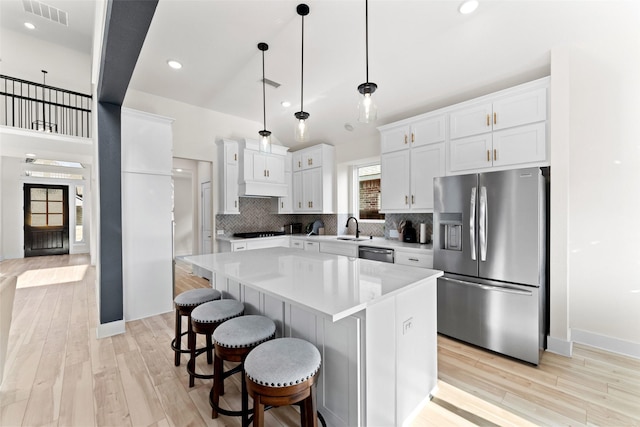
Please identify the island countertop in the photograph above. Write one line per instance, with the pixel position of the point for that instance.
(335, 286)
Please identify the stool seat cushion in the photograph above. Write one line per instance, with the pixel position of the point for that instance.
(245, 331)
(196, 297)
(217, 311)
(282, 362)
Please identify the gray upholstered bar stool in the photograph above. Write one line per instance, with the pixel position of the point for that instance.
(283, 372)
(233, 340)
(184, 304)
(205, 318)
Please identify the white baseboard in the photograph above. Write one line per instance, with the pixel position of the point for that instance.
(603, 342)
(559, 346)
(110, 329)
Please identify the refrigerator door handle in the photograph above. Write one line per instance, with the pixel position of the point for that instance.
(483, 223)
(504, 289)
(472, 222)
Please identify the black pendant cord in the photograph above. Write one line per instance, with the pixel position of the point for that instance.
(302, 68)
(264, 97)
(366, 31)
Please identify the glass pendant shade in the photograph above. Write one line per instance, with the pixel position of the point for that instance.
(265, 141)
(302, 127)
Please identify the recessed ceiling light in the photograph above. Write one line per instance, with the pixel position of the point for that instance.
(349, 127)
(29, 25)
(285, 104)
(174, 64)
(468, 6)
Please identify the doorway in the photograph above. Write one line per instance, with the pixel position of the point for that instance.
(46, 220)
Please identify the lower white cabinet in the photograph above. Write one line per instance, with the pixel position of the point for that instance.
(297, 244)
(250, 244)
(424, 260)
(312, 246)
(337, 248)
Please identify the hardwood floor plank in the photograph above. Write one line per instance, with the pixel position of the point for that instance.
(12, 414)
(76, 404)
(102, 354)
(144, 405)
(20, 375)
(44, 400)
(178, 407)
(538, 414)
(109, 399)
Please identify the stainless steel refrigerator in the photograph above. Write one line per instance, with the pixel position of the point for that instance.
(489, 238)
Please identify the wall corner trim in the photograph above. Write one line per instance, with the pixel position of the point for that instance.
(110, 329)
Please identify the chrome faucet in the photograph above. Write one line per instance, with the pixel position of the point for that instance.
(357, 229)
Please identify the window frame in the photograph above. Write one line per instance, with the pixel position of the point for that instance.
(355, 190)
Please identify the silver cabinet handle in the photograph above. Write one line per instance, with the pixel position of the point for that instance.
(504, 289)
(472, 222)
(483, 223)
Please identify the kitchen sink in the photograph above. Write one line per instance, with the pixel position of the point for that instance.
(352, 239)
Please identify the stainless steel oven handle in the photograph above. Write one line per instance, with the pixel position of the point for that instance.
(376, 251)
(507, 290)
(472, 223)
(483, 223)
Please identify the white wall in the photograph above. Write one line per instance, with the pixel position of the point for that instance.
(24, 57)
(596, 171)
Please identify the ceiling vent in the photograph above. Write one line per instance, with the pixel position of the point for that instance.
(270, 83)
(47, 12)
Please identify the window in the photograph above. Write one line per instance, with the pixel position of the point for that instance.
(367, 188)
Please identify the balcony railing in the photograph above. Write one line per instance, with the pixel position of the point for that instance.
(30, 105)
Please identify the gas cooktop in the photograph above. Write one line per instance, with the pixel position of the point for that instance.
(253, 234)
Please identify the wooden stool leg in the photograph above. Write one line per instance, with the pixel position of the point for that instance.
(178, 329)
(258, 412)
(245, 400)
(209, 350)
(192, 361)
(311, 409)
(218, 382)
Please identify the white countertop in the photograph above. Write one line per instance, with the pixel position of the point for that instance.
(332, 285)
(379, 242)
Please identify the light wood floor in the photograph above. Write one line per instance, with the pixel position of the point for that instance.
(58, 373)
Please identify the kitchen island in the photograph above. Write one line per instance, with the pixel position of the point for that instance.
(374, 324)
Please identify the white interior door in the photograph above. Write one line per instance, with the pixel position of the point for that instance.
(207, 219)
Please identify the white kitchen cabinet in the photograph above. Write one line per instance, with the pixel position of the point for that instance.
(228, 158)
(297, 243)
(312, 246)
(338, 248)
(284, 205)
(255, 243)
(262, 174)
(427, 130)
(407, 178)
(414, 259)
(514, 146)
(502, 130)
(147, 204)
(504, 112)
(313, 180)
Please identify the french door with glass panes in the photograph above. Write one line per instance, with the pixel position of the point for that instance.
(46, 220)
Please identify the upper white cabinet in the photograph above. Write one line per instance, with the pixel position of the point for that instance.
(314, 179)
(501, 130)
(284, 205)
(413, 133)
(229, 157)
(262, 174)
(413, 154)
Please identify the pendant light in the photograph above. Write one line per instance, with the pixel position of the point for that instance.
(265, 135)
(367, 110)
(302, 128)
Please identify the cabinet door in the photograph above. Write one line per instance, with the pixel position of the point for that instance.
(524, 144)
(298, 201)
(312, 190)
(520, 109)
(394, 139)
(428, 131)
(473, 152)
(427, 162)
(231, 153)
(275, 166)
(394, 183)
(312, 158)
(285, 204)
(296, 163)
(231, 202)
(470, 121)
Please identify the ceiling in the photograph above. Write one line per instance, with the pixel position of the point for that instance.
(422, 54)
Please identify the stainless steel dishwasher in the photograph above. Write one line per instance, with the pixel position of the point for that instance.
(376, 254)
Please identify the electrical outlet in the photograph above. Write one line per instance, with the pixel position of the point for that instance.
(407, 325)
(220, 232)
